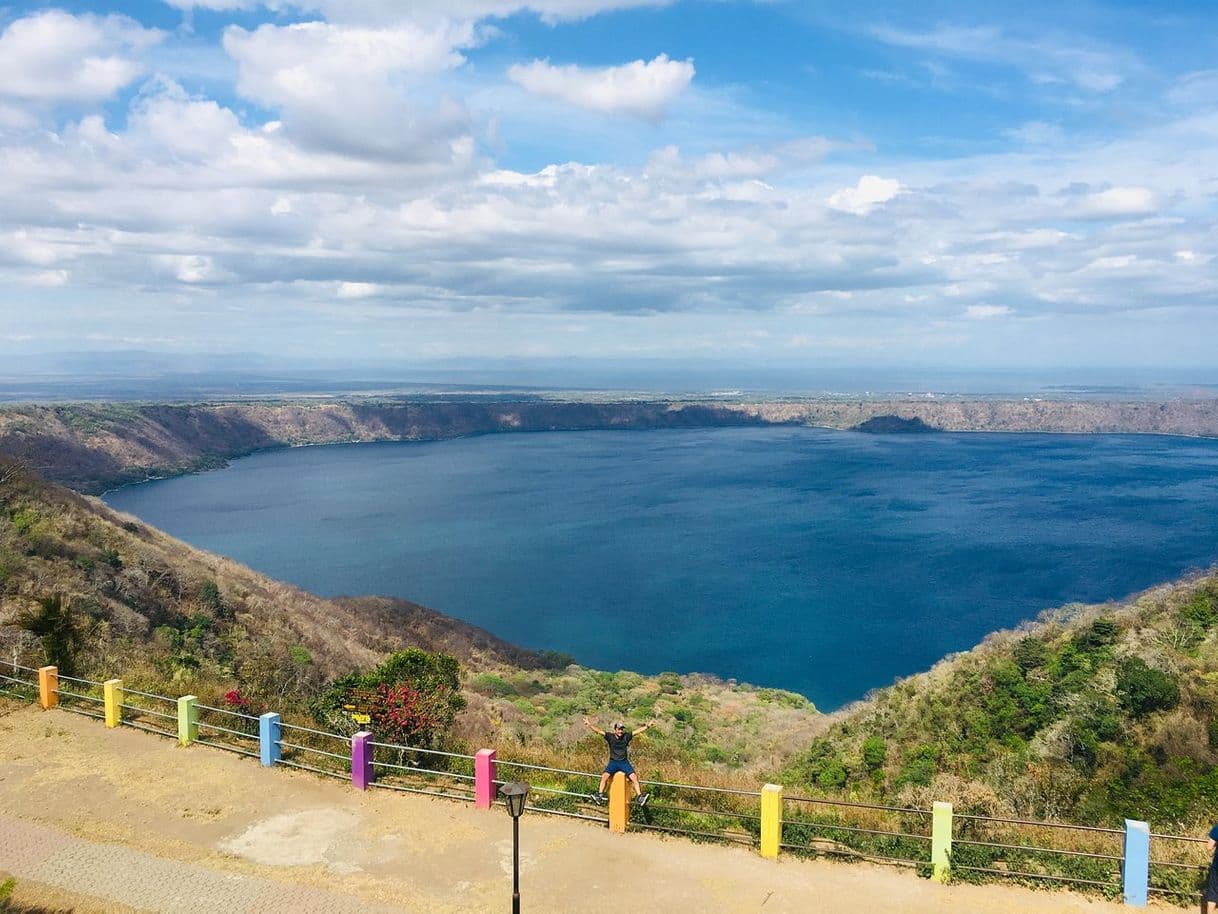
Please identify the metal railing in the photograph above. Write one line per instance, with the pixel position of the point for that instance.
(983, 848)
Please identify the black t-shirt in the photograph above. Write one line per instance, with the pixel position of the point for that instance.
(617, 745)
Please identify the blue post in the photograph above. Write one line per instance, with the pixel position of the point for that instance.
(269, 734)
(1136, 867)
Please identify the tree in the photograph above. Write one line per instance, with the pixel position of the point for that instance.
(56, 627)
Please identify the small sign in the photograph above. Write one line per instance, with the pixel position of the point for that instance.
(359, 705)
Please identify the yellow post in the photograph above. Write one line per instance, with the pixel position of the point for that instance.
(619, 803)
(48, 687)
(188, 719)
(771, 820)
(112, 690)
(941, 842)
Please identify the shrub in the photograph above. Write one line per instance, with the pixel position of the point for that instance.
(1143, 689)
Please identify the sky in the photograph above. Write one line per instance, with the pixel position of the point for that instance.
(783, 185)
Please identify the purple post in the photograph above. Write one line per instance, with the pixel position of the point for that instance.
(361, 760)
(484, 779)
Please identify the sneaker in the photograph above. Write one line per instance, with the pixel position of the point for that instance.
(599, 799)
(642, 799)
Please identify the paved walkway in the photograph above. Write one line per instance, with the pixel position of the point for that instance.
(121, 820)
(149, 883)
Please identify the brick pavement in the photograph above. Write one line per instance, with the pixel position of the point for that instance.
(143, 881)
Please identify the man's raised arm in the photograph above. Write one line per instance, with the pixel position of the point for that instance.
(588, 724)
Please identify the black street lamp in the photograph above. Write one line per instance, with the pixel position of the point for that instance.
(514, 794)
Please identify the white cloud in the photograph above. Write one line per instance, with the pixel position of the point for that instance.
(354, 290)
(347, 89)
(1119, 201)
(642, 89)
(54, 56)
(986, 312)
(870, 192)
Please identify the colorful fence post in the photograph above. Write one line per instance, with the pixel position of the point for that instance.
(270, 731)
(112, 691)
(1135, 869)
(941, 841)
(188, 720)
(362, 772)
(48, 687)
(484, 779)
(771, 820)
(619, 803)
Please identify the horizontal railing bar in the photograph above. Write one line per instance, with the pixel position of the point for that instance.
(1188, 838)
(341, 758)
(83, 711)
(67, 678)
(1043, 850)
(856, 855)
(100, 701)
(337, 736)
(227, 747)
(1180, 866)
(426, 793)
(303, 767)
(423, 771)
(1103, 831)
(138, 726)
(852, 805)
(24, 682)
(1192, 893)
(731, 790)
(130, 691)
(706, 812)
(15, 695)
(718, 836)
(138, 710)
(18, 666)
(569, 815)
(857, 829)
(581, 774)
(555, 790)
(417, 749)
(225, 711)
(204, 723)
(1022, 875)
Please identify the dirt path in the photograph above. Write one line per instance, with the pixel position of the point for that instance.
(119, 820)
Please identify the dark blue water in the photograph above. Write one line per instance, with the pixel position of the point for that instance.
(819, 561)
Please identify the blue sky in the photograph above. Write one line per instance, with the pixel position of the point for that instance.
(952, 186)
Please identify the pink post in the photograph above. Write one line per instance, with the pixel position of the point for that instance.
(361, 760)
(484, 779)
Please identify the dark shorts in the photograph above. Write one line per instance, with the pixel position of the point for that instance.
(624, 767)
(1211, 883)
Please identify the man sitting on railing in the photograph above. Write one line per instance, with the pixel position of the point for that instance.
(1211, 878)
(619, 741)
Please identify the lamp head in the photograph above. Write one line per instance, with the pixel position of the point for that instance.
(514, 794)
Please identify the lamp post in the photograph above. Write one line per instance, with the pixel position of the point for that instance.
(514, 794)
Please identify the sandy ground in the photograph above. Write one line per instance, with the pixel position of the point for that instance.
(208, 814)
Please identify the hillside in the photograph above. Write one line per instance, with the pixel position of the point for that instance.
(1091, 714)
(92, 447)
(114, 594)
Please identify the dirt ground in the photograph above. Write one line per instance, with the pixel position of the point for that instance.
(212, 818)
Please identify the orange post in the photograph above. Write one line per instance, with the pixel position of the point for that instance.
(619, 803)
(48, 687)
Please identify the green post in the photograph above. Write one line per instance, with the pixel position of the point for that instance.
(941, 842)
(188, 720)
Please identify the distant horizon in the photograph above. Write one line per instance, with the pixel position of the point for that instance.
(151, 376)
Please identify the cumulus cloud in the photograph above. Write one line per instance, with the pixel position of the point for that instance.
(347, 88)
(642, 89)
(55, 57)
(870, 192)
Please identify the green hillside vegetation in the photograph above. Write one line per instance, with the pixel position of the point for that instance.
(1092, 715)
